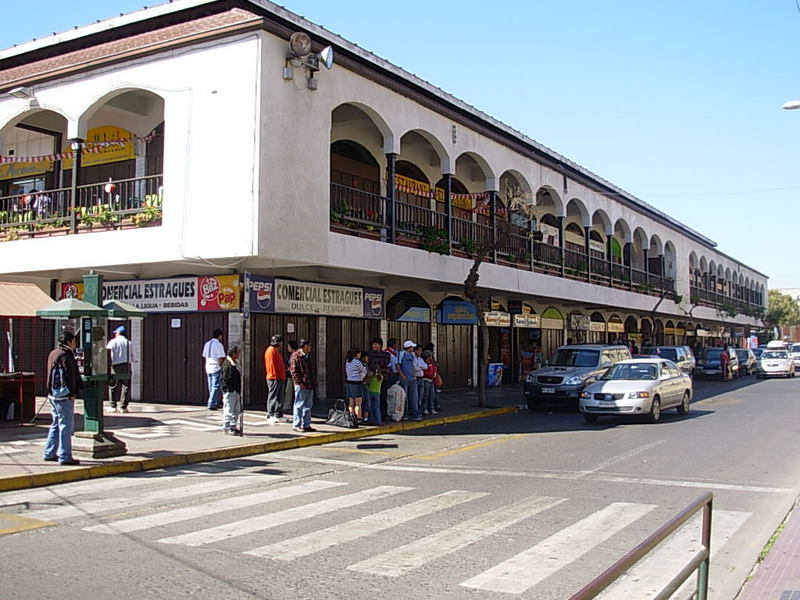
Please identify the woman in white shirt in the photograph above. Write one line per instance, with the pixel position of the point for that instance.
(355, 372)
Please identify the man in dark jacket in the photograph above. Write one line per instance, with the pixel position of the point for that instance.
(302, 373)
(231, 393)
(59, 438)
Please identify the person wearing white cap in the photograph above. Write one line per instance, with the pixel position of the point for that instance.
(408, 379)
(120, 352)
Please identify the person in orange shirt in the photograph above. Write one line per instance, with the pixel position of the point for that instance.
(276, 380)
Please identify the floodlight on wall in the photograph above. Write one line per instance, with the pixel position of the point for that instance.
(23, 93)
(300, 55)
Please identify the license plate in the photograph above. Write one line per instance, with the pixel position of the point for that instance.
(772, 364)
(548, 390)
(607, 404)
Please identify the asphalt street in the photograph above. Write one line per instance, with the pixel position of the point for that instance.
(531, 505)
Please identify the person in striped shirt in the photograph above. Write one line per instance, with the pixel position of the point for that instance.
(355, 372)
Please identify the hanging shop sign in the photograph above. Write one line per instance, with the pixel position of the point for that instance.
(18, 170)
(458, 312)
(702, 333)
(669, 331)
(528, 321)
(179, 294)
(679, 331)
(615, 327)
(599, 326)
(272, 295)
(105, 145)
(496, 318)
(579, 322)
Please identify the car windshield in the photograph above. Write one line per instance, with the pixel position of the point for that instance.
(741, 353)
(713, 353)
(795, 347)
(668, 353)
(567, 357)
(632, 372)
(773, 354)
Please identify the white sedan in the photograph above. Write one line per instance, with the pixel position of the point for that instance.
(642, 386)
(774, 363)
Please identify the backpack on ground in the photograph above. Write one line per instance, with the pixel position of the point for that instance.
(58, 382)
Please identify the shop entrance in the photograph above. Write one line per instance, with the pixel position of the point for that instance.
(173, 369)
(454, 354)
(262, 328)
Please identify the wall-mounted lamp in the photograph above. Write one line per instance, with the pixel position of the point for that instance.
(300, 55)
(24, 93)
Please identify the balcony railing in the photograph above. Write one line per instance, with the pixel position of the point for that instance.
(364, 213)
(704, 297)
(122, 203)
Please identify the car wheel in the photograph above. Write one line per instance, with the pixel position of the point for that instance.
(590, 418)
(655, 410)
(683, 407)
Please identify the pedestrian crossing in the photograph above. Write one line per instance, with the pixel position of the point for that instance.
(271, 518)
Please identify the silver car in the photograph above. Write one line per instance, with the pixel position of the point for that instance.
(641, 386)
(774, 363)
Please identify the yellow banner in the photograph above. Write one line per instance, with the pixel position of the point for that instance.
(101, 155)
(25, 169)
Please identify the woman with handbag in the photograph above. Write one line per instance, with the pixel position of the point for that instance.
(355, 372)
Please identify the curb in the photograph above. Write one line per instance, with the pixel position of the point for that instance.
(20, 482)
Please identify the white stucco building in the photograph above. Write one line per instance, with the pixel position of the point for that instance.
(201, 157)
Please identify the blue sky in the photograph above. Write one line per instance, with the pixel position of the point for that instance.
(676, 102)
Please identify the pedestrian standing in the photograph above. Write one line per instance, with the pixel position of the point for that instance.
(214, 355)
(288, 394)
(374, 384)
(231, 384)
(63, 384)
(302, 373)
(355, 372)
(429, 402)
(276, 380)
(408, 379)
(120, 351)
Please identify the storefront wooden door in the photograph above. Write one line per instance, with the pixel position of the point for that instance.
(342, 335)
(32, 343)
(173, 368)
(262, 328)
(419, 333)
(454, 354)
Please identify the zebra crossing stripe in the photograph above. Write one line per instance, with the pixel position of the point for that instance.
(290, 515)
(412, 556)
(649, 576)
(201, 510)
(521, 572)
(94, 506)
(316, 541)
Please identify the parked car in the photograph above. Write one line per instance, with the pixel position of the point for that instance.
(680, 355)
(572, 367)
(775, 363)
(757, 352)
(709, 364)
(642, 386)
(794, 352)
(747, 361)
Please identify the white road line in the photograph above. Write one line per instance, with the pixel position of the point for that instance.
(615, 459)
(316, 541)
(217, 506)
(521, 572)
(69, 490)
(563, 475)
(91, 507)
(298, 513)
(412, 556)
(193, 425)
(648, 577)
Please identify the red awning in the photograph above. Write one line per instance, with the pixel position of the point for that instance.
(22, 299)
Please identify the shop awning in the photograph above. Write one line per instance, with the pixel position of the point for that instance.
(22, 299)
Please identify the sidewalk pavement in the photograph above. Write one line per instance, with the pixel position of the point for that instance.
(777, 577)
(166, 435)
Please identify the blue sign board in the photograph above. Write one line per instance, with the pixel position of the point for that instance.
(457, 312)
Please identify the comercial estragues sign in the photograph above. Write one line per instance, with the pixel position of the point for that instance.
(179, 294)
(273, 295)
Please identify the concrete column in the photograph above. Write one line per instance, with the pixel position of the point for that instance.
(239, 334)
(384, 331)
(475, 334)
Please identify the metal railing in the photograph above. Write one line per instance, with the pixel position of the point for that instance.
(113, 203)
(699, 562)
(357, 208)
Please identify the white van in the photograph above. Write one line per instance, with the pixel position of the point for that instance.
(776, 345)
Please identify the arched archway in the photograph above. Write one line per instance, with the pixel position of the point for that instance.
(455, 318)
(597, 329)
(552, 331)
(409, 318)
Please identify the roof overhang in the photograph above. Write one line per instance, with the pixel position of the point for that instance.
(22, 299)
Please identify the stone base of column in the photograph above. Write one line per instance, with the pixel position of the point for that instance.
(97, 445)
